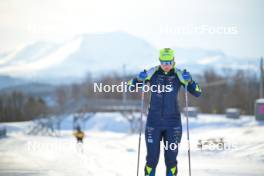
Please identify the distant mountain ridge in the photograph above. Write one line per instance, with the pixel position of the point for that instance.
(103, 53)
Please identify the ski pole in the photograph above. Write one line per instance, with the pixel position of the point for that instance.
(187, 125)
(141, 125)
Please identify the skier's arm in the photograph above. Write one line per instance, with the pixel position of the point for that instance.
(133, 83)
(194, 88)
(139, 79)
(186, 79)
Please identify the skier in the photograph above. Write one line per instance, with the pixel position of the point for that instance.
(79, 134)
(164, 118)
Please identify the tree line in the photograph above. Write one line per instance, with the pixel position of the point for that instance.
(220, 90)
(16, 106)
(228, 89)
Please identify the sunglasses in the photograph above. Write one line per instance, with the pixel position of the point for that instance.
(166, 62)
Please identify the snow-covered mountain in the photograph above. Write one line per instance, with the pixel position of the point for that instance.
(98, 53)
(7, 81)
(102, 53)
(196, 60)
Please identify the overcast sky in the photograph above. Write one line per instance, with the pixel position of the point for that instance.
(235, 27)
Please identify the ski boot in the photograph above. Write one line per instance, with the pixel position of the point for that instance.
(149, 171)
(172, 171)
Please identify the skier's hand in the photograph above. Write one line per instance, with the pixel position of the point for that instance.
(142, 75)
(187, 76)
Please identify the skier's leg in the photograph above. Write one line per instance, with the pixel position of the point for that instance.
(152, 138)
(172, 138)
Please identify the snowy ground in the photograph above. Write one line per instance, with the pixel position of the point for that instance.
(109, 150)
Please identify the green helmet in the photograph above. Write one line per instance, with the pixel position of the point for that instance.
(166, 54)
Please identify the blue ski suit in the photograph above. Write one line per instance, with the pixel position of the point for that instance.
(164, 117)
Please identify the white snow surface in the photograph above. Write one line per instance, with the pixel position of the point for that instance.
(110, 150)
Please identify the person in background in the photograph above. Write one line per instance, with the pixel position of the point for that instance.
(79, 134)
